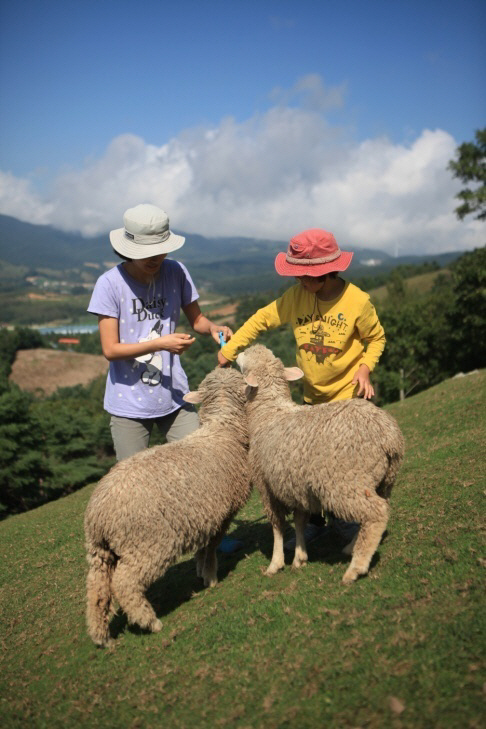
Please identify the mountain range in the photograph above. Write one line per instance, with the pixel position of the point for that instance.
(246, 263)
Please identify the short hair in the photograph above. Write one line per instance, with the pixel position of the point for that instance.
(120, 256)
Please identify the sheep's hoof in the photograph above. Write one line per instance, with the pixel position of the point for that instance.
(351, 575)
(298, 563)
(156, 626)
(273, 569)
(210, 582)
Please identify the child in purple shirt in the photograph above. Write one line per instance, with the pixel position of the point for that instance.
(138, 305)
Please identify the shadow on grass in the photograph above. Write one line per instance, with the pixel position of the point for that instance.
(179, 584)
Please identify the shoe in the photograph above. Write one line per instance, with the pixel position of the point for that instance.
(311, 532)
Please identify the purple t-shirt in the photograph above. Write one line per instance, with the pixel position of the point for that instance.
(152, 385)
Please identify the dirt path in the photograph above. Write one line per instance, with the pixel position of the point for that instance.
(48, 369)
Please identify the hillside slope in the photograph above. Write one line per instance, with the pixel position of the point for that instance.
(417, 285)
(401, 648)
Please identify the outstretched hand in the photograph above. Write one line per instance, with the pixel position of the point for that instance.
(177, 343)
(362, 378)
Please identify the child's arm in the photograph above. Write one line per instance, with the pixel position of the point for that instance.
(269, 317)
(113, 349)
(371, 332)
(202, 325)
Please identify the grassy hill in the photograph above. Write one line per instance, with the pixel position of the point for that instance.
(401, 648)
(417, 285)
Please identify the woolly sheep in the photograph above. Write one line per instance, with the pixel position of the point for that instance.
(341, 457)
(166, 501)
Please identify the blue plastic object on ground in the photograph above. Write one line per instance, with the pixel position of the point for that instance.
(229, 545)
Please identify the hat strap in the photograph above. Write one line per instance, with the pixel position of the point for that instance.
(313, 261)
(146, 240)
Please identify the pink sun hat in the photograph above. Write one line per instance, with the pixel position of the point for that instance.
(312, 253)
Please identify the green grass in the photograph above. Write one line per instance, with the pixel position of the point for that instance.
(403, 647)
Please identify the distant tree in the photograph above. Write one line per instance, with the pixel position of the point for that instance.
(467, 320)
(470, 167)
(23, 463)
(89, 343)
(419, 352)
(395, 287)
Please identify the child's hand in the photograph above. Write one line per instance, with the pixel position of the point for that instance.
(177, 343)
(222, 361)
(215, 329)
(362, 377)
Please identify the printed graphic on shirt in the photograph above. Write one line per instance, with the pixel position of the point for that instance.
(316, 346)
(153, 374)
(148, 311)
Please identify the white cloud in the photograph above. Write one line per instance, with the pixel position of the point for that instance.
(310, 93)
(270, 176)
(18, 199)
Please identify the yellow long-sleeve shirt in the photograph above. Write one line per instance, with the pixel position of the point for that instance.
(330, 337)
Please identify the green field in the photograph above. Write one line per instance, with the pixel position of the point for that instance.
(403, 647)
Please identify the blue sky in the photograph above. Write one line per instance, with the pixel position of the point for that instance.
(252, 118)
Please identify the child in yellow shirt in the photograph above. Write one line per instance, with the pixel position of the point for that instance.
(338, 335)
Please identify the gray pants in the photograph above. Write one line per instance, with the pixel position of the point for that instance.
(131, 435)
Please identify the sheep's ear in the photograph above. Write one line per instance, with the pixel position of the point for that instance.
(251, 381)
(192, 397)
(293, 373)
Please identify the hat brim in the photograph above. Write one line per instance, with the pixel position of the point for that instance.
(284, 268)
(133, 250)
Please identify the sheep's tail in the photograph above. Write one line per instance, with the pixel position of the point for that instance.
(394, 450)
(102, 563)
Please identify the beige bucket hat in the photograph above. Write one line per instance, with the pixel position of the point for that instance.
(145, 233)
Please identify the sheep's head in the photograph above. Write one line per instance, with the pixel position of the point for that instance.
(223, 387)
(259, 367)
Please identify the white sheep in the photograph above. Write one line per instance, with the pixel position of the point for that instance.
(341, 457)
(164, 502)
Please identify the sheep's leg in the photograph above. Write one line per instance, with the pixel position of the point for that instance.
(210, 567)
(300, 556)
(99, 596)
(200, 557)
(275, 512)
(129, 583)
(367, 540)
(278, 559)
(277, 519)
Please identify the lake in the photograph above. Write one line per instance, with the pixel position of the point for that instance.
(69, 329)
